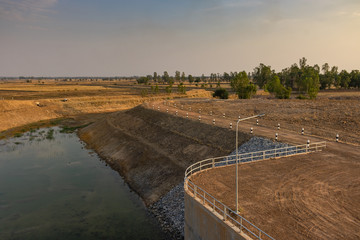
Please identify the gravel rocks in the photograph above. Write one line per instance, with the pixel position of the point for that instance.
(259, 144)
(169, 210)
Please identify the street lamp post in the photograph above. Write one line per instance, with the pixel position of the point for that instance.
(237, 157)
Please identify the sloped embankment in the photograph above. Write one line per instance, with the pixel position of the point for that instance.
(151, 149)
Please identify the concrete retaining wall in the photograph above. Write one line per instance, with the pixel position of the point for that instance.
(201, 223)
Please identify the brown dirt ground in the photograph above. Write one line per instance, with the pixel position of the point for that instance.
(331, 114)
(315, 196)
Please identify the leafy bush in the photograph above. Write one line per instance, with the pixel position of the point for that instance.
(242, 86)
(274, 86)
(301, 97)
(221, 93)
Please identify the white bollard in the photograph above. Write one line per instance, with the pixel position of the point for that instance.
(176, 113)
(276, 136)
(251, 130)
(278, 126)
(199, 118)
(159, 108)
(210, 113)
(167, 110)
(175, 105)
(214, 121)
(307, 145)
(230, 125)
(224, 115)
(302, 131)
(187, 115)
(199, 110)
(337, 137)
(239, 117)
(182, 107)
(257, 121)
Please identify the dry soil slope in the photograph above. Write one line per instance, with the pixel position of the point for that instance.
(151, 149)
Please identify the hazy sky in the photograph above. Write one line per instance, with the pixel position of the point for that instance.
(137, 37)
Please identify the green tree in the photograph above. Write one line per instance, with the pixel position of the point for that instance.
(242, 86)
(334, 76)
(183, 77)
(142, 80)
(344, 78)
(355, 79)
(155, 76)
(309, 82)
(177, 76)
(262, 74)
(166, 77)
(191, 79)
(325, 78)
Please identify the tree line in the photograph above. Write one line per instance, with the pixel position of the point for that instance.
(303, 78)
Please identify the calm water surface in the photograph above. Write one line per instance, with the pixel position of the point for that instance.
(51, 187)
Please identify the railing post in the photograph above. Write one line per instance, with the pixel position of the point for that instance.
(213, 204)
(241, 224)
(259, 234)
(195, 191)
(224, 213)
(263, 155)
(204, 198)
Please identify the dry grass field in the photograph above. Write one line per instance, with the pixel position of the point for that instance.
(23, 103)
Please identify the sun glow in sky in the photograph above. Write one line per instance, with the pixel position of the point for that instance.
(138, 37)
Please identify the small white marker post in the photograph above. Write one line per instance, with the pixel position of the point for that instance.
(239, 116)
(187, 115)
(176, 112)
(199, 111)
(230, 125)
(251, 130)
(337, 137)
(302, 131)
(175, 105)
(182, 107)
(214, 121)
(307, 145)
(257, 121)
(210, 113)
(159, 108)
(167, 110)
(224, 115)
(199, 118)
(276, 136)
(278, 126)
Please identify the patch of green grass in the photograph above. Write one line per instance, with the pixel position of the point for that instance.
(50, 134)
(17, 135)
(56, 121)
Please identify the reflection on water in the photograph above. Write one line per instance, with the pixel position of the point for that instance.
(54, 188)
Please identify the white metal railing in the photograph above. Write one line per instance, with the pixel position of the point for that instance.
(224, 211)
